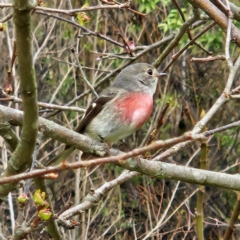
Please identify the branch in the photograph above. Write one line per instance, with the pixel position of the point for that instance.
(6, 18)
(208, 59)
(41, 104)
(73, 12)
(129, 9)
(188, 32)
(234, 9)
(175, 56)
(56, 132)
(52, 228)
(116, 157)
(233, 220)
(8, 135)
(184, 28)
(228, 38)
(83, 74)
(211, 10)
(91, 145)
(3, 5)
(232, 74)
(88, 31)
(164, 171)
(2, 237)
(22, 156)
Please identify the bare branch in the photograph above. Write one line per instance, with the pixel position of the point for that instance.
(83, 74)
(218, 16)
(73, 12)
(22, 156)
(175, 56)
(184, 28)
(208, 59)
(40, 104)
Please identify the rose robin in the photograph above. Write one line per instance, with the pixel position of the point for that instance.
(124, 107)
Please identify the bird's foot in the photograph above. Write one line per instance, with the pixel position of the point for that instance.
(107, 145)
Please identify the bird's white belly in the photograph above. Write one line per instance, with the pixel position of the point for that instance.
(110, 131)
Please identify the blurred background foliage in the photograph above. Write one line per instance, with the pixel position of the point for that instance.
(136, 206)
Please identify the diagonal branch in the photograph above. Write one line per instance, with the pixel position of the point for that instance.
(184, 28)
(219, 17)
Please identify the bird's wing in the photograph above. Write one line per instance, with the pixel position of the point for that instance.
(95, 108)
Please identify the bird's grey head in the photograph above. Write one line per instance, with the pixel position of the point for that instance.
(138, 77)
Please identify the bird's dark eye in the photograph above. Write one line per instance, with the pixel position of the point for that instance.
(150, 72)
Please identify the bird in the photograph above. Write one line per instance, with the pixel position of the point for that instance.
(122, 108)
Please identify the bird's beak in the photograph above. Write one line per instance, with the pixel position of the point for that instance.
(161, 74)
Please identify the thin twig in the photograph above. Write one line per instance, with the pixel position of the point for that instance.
(129, 50)
(40, 104)
(188, 32)
(89, 68)
(6, 18)
(184, 28)
(34, 160)
(3, 5)
(232, 74)
(209, 58)
(129, 9)
(175, 56)
(228, 38)
(236, 90)
(90, 32)
(73, 12)
(153, 134)
(83, 74)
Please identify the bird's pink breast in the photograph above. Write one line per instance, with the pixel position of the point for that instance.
(135, 108)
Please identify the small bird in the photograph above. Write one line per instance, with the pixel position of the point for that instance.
(122, 108)
(130, 45)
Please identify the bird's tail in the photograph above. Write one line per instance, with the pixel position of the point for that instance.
(61, 157)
